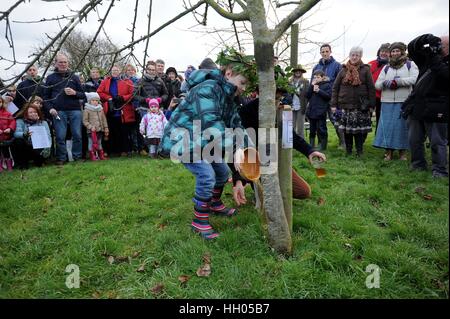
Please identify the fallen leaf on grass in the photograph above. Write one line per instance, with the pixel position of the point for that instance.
(111, 259)
(141, 268)
(427, 197)
(135, 254)
(102, 178)
(204, 271)
(162, 226)
(184, 279)
(157, 289)
(320, 201)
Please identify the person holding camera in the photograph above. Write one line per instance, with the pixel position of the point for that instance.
(426, 109)
(395, 80)
(116, 95)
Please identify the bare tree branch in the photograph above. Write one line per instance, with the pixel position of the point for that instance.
(63, 17)
(71, 24)
(96, 35)
(6, 13)
(279, 5)
(303, 8)
(242, 16)
(193, 8)
(234, 26)
(148, 31)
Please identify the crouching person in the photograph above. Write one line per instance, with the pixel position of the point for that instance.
(210, 101)
(32, 117)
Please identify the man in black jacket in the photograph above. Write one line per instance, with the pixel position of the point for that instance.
(150, 86)
(430, 95)
(29, 87)
(61, 95)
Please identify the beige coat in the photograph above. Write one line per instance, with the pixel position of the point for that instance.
(93, 117)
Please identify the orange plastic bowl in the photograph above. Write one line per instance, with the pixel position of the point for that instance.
(250, 168)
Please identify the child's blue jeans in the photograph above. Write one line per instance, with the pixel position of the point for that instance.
(207, 177)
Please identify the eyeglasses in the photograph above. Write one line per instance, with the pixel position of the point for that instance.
(11, 91)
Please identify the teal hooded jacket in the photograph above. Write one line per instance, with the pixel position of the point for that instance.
(206, 113)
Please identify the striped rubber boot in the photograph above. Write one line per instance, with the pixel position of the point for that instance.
(217, 206)
(200, 224)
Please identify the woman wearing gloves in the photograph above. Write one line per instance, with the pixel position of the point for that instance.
(116, 95)
(396, 81)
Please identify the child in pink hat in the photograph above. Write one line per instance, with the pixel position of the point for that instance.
(152, 126)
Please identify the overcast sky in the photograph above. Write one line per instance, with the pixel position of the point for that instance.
(367, 24)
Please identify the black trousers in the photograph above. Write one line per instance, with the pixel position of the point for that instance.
(120, 136)
(359, 142)
(24, 152)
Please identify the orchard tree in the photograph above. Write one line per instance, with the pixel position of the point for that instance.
(276, 211)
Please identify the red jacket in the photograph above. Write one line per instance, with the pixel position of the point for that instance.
(6, 121)
(125, 90)
(376, 70)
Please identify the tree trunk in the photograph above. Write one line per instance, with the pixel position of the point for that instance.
(273, 207)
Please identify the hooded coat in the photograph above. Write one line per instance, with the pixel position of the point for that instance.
(319, 102)
(211, 102)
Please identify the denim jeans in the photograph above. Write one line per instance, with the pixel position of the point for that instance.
(74, 118)
(207, 177)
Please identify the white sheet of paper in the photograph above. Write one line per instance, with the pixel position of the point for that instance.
(39, 137)
(287, 138)
(12, 108)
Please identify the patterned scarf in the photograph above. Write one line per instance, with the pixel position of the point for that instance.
(352, 74)
(398, 62)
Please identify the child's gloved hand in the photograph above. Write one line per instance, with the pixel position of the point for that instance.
(387, 84)
(393, 85)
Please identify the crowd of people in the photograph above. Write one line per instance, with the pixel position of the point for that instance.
(121, 114)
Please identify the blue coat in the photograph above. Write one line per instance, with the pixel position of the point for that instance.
(54, 95)
(331, 68)
(319, 102)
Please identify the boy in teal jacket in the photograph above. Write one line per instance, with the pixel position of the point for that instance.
(211, 102)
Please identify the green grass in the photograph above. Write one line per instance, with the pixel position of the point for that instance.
(81, 213)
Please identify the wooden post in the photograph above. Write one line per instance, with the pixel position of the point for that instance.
(285, 166)
(294, 45)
